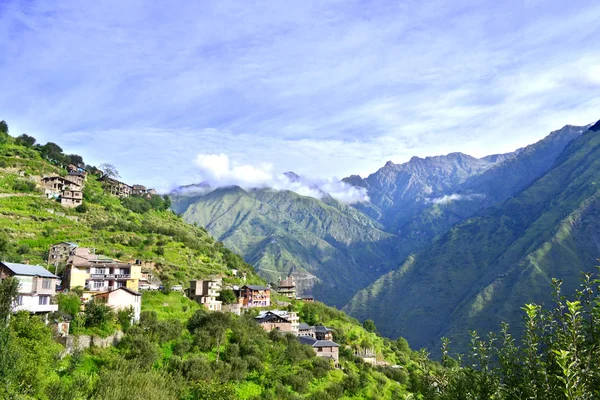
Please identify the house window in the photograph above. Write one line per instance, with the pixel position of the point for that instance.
(20, 300)
(320, 349)
(44, 300)
(47, 284)
(120, 284)
(98, 284)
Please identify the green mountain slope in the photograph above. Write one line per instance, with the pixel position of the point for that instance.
(332, 249)
(486, 267)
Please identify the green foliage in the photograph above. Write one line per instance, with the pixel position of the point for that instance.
(23, 186)
(3, 127)
(98, 315)
(69, 304)
(9, 290)
(25, 140)
(227, 296)
(125, 317)
(369, 326)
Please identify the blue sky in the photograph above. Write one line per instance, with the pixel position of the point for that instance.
(321, 88)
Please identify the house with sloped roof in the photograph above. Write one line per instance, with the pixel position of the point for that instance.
(255, 296)
(121, 299)
(277, 320)
(37, 287)
(323, 348)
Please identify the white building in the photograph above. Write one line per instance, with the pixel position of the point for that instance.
(121, 299)
(37, 287)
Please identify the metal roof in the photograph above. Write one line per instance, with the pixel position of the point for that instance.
(317, 343)
(256, 287)
(29, 270)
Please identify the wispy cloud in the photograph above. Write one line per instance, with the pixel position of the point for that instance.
(455, 197)
(216, 170)
(320, 88)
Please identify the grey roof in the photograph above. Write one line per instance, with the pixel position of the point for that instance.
(322, 329)
(325, 343)
(304, 326)
(29, 270)
(256, 287)
(316, 343)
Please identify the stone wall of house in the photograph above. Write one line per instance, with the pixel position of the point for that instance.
(74, 343)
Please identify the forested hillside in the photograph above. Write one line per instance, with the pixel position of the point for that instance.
(332, 249)
(487, 266)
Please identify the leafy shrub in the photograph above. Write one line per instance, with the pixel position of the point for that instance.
(23, 186)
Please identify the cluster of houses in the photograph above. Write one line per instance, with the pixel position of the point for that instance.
(121, 189)
(67, 189)
(320, 338)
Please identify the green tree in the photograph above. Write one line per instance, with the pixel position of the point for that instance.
(369, 326)
(69, 304)
(52, 151)
(3, 127)
(98, 315)
(25, 140)
(9, 290)
(227, 296)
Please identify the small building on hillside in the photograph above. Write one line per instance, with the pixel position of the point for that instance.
(283, 321)
(323, 348)
(59, 253)
(121, 299)
(77, 177)
(287, 287)
(317, 332)
(255, 296)
(54, 185)
(307, 299)
(71, 198)
(115, 187)
(138, 189)
(206, 292)
(37, 287)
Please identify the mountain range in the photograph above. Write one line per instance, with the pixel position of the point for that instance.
(444, 242)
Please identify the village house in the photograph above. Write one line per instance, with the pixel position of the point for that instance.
(98, 273)
(76, 168)
(121, 299)
(287, 287)
(138, 190)
(37, 287)
(283, 321)
(255, 296)
(147, 281)
(54, 185)
(76, 177)
(59, 253)
(323, 348)
(317, 332)
(71, 198)
(206, 292)
(307, 299)
(116, 187)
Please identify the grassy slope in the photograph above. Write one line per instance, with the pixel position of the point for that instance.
(280, 232)
(486, 267)
(29, 224)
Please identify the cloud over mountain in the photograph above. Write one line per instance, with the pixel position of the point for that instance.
(217, 170)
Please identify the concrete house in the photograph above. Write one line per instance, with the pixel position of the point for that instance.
(120, 299)
(76, 177)
(255, 296)
(59, 253)
(98, 273)
(287, 287)
(138, 190)
(206, 292)
(317, 332)
(116, 187)
(54, 185)
(323, 348)
(283, 321)
(37, 287)
(71, 198)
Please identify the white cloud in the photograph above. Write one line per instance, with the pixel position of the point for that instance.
(217, 171)
(454, 197)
